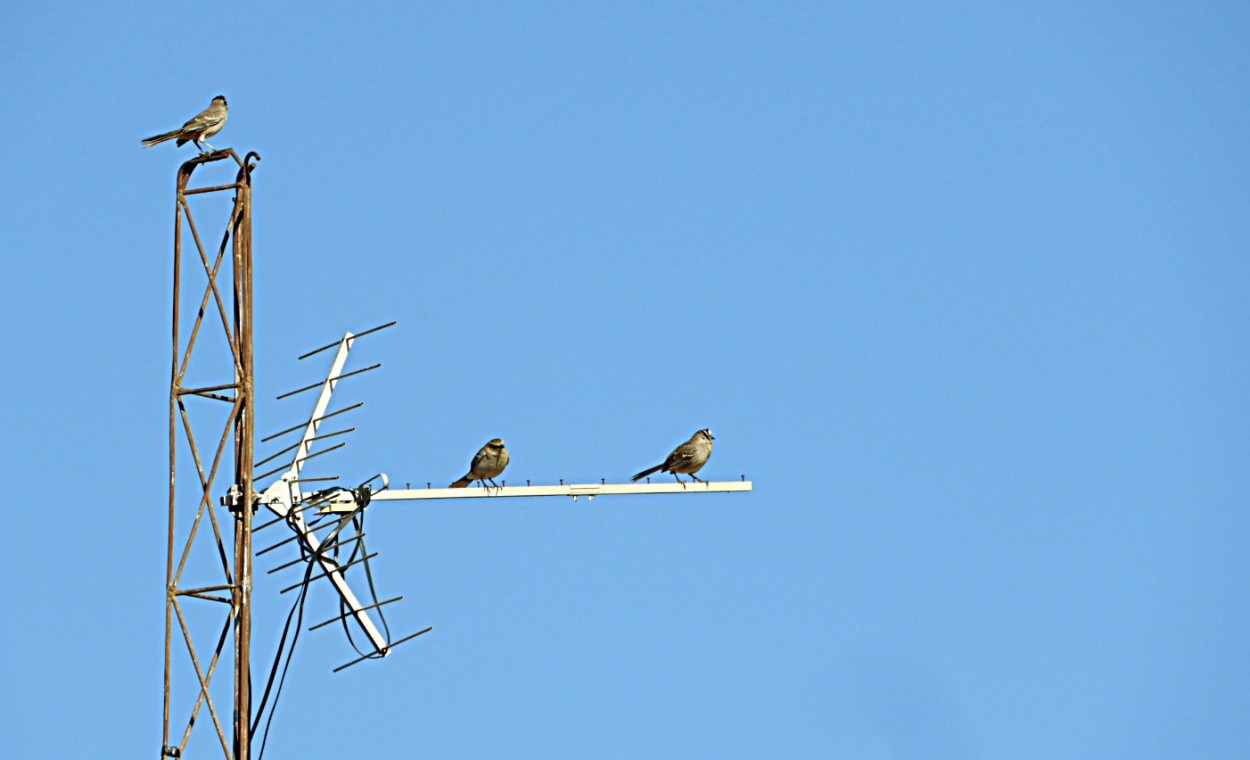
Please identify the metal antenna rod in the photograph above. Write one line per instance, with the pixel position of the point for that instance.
(361, 334)
(286, 499)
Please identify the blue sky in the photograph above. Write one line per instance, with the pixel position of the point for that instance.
(961, 288)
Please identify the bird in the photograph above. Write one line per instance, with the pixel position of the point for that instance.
(687, 458)
(488, 464)
(199, 128)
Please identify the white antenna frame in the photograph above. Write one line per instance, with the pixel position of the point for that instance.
(344, 503)
(285, 498)
(282, 496)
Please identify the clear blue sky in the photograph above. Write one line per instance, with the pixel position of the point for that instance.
(960, 287)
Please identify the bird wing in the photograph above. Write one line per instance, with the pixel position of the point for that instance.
(681, 455)
(205, 119)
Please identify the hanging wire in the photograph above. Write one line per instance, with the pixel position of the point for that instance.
(296, 616)
(358, 520)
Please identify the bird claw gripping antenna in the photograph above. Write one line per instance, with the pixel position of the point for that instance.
(290, 498)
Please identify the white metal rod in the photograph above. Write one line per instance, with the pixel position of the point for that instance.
(323, 401)
(589, 490)
(339, 581)
(280, 503)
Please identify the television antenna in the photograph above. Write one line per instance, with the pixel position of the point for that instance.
(317, 517)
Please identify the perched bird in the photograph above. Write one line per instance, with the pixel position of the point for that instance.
(201, 127)
(488, 464)
(687, 458)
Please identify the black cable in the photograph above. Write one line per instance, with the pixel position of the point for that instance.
(330, 543)
(360, 529)
(373, 592)
(296, 606)
(343, 611)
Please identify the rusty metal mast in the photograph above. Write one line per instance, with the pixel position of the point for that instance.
(225, 407)
(194, 406)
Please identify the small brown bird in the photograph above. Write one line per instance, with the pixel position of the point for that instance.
(488, 464)
(687, 458)
(201, 127)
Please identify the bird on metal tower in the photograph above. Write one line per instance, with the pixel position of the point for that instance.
(488, 464)
(687, 458)
(198, 129)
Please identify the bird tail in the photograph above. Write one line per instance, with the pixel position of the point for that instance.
(462, 483)
(645, 473)
(158, 139)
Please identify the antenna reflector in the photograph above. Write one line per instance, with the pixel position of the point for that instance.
(304, 425)
(320, 383)
(389, 647)
(337, 569)
(349, 613)
(298, 462)
(349, 336)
